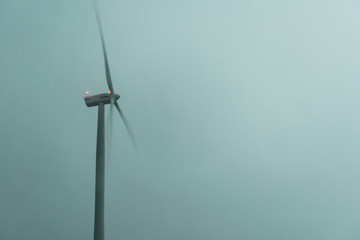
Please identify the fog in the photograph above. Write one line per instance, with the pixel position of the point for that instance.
(245, 113)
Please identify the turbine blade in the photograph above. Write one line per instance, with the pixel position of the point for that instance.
(107, 70)
(127, 125)
(109, 133)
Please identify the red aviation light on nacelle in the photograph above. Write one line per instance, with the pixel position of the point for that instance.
(109, 91)
(87, 93)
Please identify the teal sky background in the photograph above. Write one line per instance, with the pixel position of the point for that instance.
(245, 112)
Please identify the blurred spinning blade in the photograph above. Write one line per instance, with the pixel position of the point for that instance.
(109, 132)
(127, 126)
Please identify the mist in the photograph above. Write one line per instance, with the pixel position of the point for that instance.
(245, 114)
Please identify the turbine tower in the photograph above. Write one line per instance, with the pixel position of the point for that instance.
(100, 101)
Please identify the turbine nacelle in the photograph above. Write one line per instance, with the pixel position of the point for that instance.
(104, 98)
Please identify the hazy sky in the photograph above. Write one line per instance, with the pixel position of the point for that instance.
(246, 114)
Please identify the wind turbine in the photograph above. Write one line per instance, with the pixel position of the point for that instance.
(101, 100)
